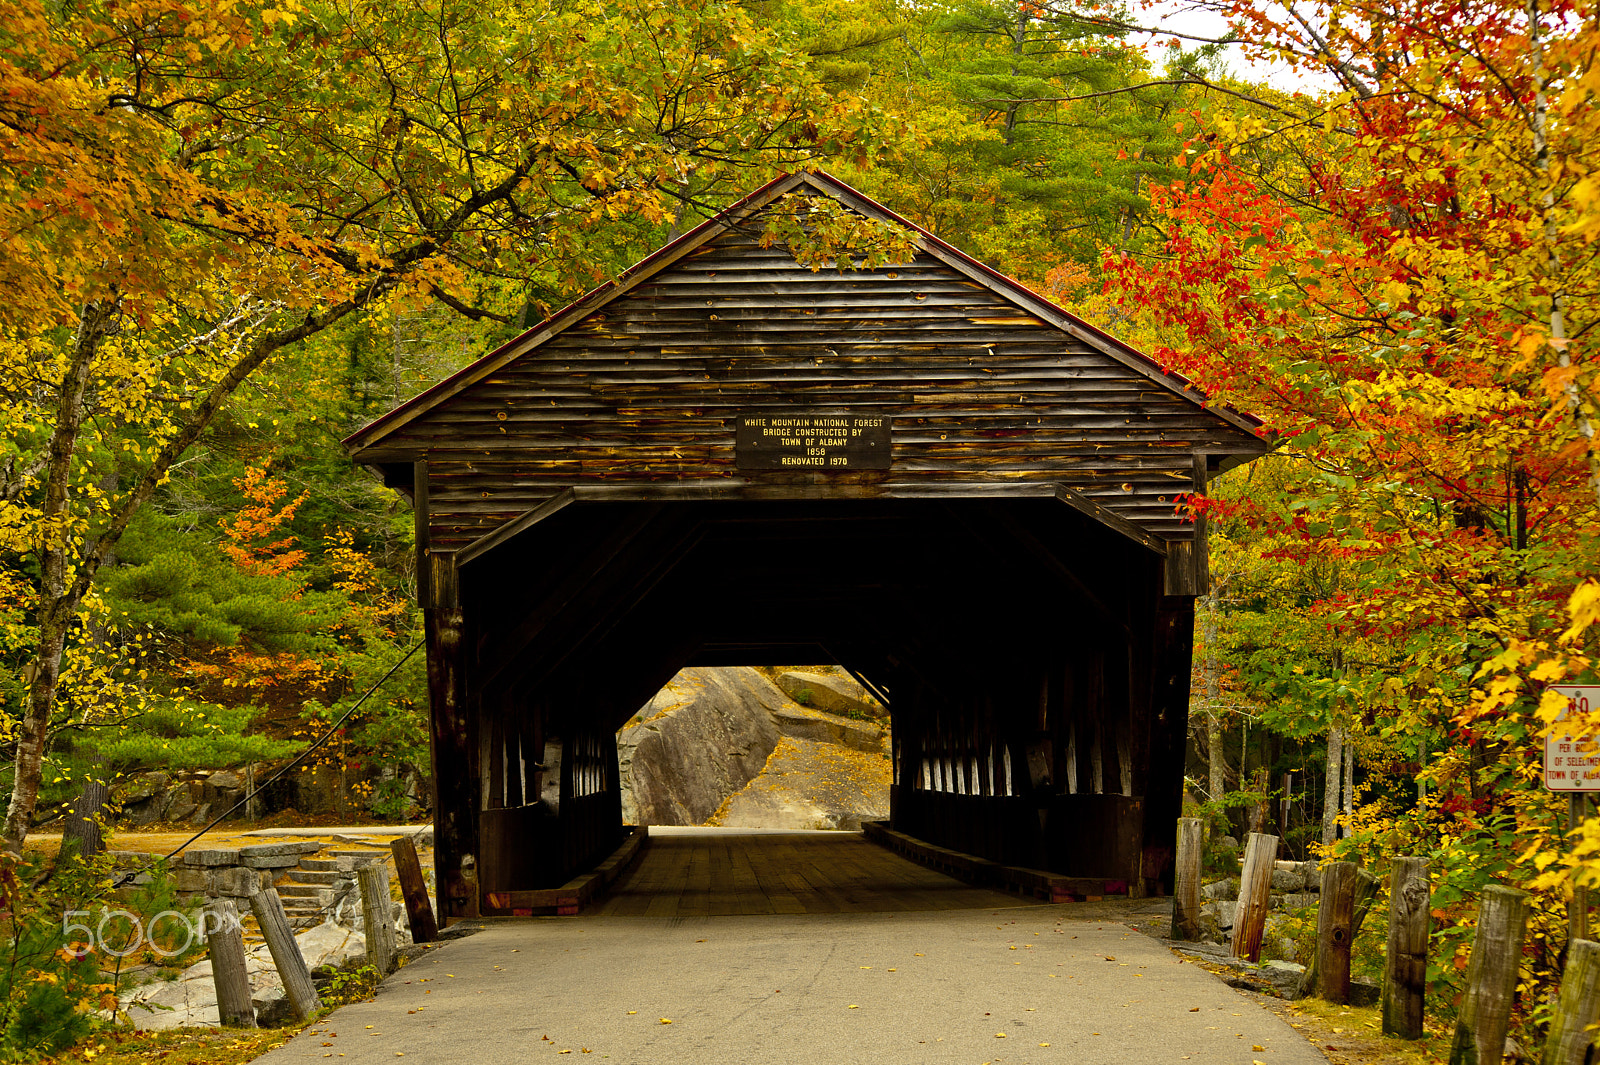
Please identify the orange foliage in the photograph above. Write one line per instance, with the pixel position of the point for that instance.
(259, 520)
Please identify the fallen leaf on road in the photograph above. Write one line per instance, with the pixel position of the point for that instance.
(1258, 1050)
(853, 1007)
(666, 1020)
(1194, 1009)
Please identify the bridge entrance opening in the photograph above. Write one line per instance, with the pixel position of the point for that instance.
(926, 474)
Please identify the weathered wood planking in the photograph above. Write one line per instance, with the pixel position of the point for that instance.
(649, 387)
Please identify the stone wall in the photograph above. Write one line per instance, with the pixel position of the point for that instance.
(1294, 887)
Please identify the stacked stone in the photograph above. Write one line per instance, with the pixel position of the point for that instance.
(1294, 887)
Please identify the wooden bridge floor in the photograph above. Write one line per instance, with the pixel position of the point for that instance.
(696, 872)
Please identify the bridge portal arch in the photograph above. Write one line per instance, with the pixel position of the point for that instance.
(925, 473)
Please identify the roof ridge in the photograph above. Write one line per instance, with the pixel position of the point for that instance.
(728, 218)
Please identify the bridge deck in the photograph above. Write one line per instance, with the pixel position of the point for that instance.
(700, 872)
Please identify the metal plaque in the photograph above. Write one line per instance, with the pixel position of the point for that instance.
(812, 442)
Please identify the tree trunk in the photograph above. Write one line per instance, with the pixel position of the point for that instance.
(1349, 783)
(65, 577)
(82, 831)
(58, 594)
(1331, 784)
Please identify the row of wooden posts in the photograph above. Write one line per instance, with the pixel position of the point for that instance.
(225, 945)
(1347, 892)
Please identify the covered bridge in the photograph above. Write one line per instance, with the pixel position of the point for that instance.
(926, 473)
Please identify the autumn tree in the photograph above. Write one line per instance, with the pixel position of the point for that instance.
(1401, 277)
(191, 186)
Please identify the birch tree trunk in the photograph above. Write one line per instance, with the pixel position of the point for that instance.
(68, 559)
(1332, 784)
(58, 595)
(1349, 783)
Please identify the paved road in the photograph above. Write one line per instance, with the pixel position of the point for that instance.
(1005, 982)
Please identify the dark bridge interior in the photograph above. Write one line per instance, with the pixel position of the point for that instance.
(1036, 676)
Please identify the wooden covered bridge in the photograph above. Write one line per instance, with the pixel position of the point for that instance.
(925, 473)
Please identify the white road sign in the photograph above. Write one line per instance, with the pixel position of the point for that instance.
(1572, 763)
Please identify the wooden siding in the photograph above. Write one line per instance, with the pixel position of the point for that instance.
(648, 388)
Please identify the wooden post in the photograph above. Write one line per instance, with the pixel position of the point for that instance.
(377, 918)
(225, 947)
(419, 911)
(1365, 890)
(1578, 908)
(297, 986)
(1578, 1007)
(1255, 895)
(1491, 977)
(1186, 892)
(1335, 930)
(455, 790)
(1169, 728)
(1405, 965)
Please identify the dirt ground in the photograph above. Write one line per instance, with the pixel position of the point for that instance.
(162, 839)
(1349, 1035)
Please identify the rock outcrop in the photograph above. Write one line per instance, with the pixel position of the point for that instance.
(835, 693)
(702, 738)
(811, 783)
(727, 747)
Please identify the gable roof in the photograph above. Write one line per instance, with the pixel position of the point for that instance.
(820, 183)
